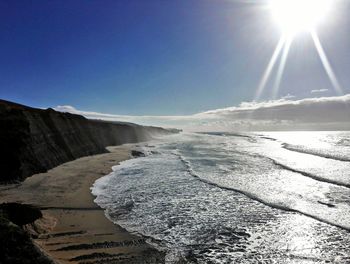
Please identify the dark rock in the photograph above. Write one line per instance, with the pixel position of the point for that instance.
(137, 153)
(20, 214)
(16, 247)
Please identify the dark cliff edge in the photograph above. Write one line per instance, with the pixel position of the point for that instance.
(36, 140)
(17, 246)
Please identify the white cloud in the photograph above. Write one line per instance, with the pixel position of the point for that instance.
(167, 121)
(319, 91)
(288, 96)
(324, 113)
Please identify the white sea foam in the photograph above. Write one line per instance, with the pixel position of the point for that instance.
(219, 198)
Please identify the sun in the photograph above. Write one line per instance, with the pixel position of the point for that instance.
(295, 16)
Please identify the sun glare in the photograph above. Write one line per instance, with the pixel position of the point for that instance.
(294, 16)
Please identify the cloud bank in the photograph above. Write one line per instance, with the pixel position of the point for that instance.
(324, 113)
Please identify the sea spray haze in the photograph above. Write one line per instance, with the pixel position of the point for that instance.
(278, 197)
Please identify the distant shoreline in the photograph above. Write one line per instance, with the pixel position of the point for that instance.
(74, 228)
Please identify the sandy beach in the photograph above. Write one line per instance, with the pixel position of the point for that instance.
(74, 229)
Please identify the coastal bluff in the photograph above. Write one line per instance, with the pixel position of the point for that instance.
(35, 140)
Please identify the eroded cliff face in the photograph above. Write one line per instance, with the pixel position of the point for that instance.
(34, 140)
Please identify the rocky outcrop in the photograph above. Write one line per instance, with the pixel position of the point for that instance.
(35, 140)
(17, 246)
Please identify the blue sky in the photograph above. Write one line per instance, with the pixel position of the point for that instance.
(156, 57)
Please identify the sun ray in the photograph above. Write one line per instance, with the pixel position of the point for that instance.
(326, 64)
(269, 68)
(281, 67)
(294, 17)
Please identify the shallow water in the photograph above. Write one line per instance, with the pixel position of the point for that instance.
(237, 198)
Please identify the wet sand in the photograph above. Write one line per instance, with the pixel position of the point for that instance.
(74, 229)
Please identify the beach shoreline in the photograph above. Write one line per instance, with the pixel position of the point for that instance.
(74, 229)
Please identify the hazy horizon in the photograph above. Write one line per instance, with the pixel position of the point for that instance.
(324, 113)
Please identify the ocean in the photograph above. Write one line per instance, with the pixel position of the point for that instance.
(264, 197)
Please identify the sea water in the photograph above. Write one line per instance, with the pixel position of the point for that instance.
(277, 197)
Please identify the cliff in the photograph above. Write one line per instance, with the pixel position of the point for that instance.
(35, 140)
(17, 246)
